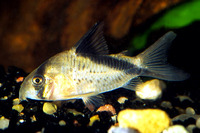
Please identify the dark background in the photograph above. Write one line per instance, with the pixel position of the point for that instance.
(32, 31)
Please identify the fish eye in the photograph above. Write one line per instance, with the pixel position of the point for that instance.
(38, 80)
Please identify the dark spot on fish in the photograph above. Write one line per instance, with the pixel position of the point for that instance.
(112, 62)
(94, 72)
(83, 67)
(79, 66)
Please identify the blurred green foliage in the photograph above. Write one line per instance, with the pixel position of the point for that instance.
(177, 17)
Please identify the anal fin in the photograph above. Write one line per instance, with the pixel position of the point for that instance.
(131, 84)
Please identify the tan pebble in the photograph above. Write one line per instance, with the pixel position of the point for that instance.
(175, 129)
(183, 97)
(49, 108)
(33, 118)
(21, 114)
(18, 108)
(166, 104)
(74, 112)
(4, 123)
(62, 123)
(190, 110)
(93, 119)
(1, 84)
(76, 123)
(19, 79)
(150, 89)
(108, 108)
(198, 122)
(190, 128)
(122, 100)
(183, 117)
(180, 110)
(4, 98)
(42, 130)
(155, 120)
(16, 101)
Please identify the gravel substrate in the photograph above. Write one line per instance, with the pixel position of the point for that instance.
(180, 104)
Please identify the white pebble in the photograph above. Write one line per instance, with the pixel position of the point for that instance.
(175, 129)
(115, 129)
(4, 123)
(22, 121)
(62, 123)
(151, 89)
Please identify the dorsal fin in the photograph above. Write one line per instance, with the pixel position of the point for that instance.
(125, 52)
(93, 41)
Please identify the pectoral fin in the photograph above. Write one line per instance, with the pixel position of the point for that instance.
(93, 102)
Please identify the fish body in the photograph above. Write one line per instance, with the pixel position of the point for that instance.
(87, 69)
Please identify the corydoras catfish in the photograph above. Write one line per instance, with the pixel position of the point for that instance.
(87, 69)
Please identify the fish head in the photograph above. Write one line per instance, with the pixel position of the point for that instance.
(36, 86)
(27, 89)
(47, 83)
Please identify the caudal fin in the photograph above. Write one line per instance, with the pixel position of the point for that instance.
(154, 61)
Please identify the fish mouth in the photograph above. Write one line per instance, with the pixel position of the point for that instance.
(22, 98)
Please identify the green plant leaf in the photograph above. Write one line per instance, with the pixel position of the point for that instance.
(177, 17)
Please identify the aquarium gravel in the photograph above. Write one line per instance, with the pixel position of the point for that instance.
(15, 116)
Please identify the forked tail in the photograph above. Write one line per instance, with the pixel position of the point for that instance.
(153, 61)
